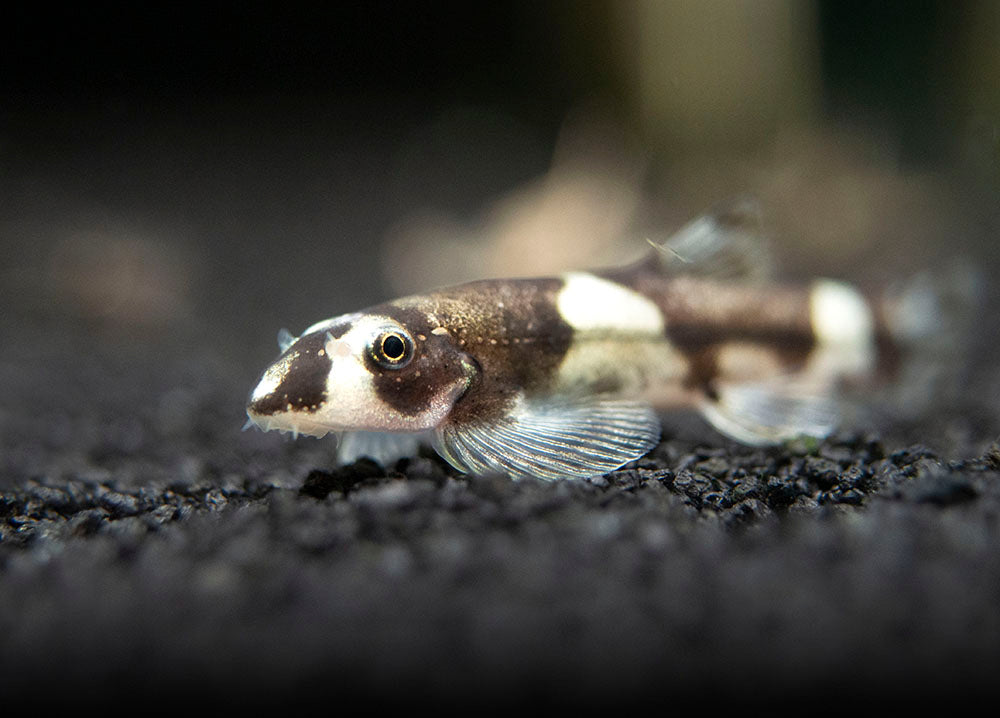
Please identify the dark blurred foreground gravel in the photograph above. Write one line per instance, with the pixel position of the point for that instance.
(150, 549)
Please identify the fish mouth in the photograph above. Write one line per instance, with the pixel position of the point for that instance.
(289, 424)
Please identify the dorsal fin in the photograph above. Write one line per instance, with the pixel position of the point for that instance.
(726, 243)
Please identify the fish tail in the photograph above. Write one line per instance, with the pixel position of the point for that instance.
(934, 312)
(930, 319)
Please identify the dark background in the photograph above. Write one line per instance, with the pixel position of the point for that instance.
(178, 183)
(254, 145)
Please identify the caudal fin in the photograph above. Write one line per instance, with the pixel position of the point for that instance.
(930, 319)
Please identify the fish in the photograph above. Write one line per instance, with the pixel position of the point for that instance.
(567, 376)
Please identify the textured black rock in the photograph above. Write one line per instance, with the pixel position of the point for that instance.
(146, 542)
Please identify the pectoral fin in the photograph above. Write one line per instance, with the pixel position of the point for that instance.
(552, 439)
(285, 339)
(770, 413)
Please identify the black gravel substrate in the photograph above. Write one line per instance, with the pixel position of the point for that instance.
(149, 547)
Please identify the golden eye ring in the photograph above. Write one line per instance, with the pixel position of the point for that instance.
(392, 349)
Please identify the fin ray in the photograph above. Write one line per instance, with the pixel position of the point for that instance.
(285, 339)
(726, 243)
(383, 447)
(770, 413)
(552, 440)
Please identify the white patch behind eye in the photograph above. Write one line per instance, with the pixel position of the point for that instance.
(588, 302)
(353, 403)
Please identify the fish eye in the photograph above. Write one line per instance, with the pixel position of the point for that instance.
(392, 349)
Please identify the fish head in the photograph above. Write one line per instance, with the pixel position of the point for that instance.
(360, 372)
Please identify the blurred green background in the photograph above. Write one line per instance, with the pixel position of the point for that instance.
(212, 172)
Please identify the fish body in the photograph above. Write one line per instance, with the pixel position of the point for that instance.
(565, 376)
